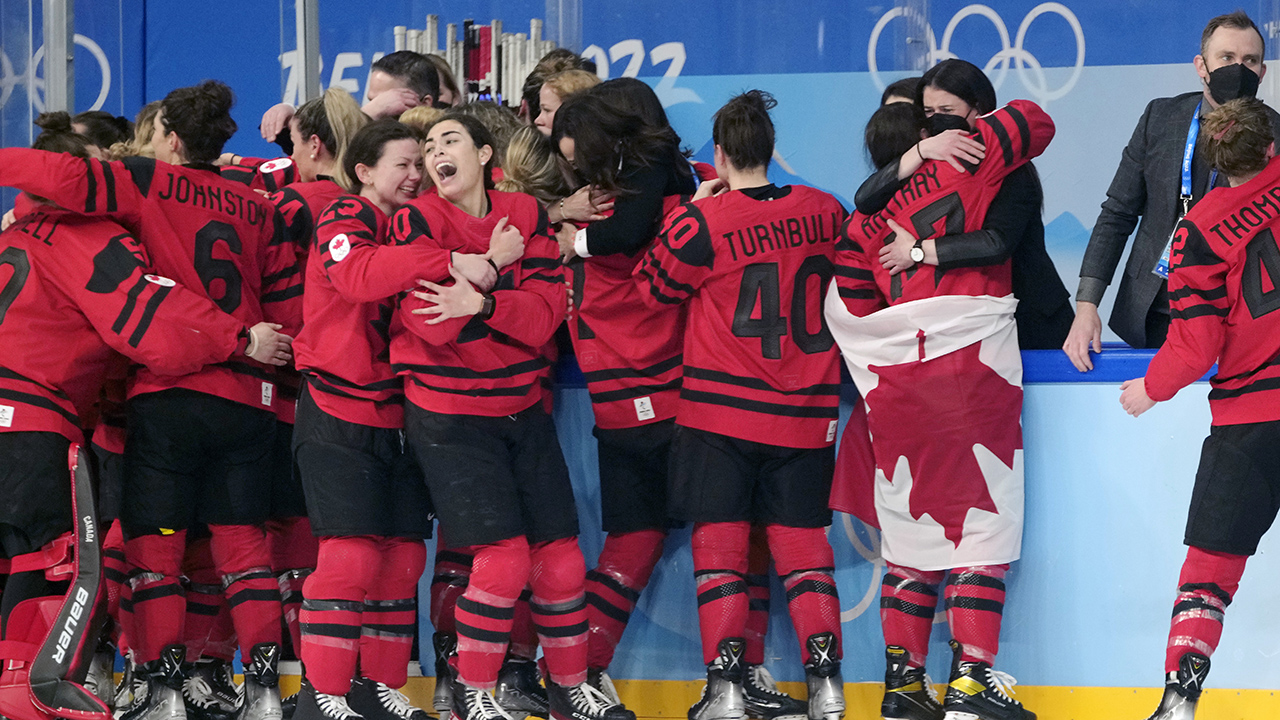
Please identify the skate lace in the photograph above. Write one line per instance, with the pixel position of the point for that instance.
(1002, 682)
(589, 700)
(197, 691)
(135, 686)
(226, 679)
(481, 704)
(335, 706)
(395, 701)
(763, 680)
(930, 690)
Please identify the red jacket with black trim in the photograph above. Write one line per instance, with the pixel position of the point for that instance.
(754, 265)
(207, 233)
(262, 174)
(939, 200)
(469, 366)
(77, 293)
(630, 352)
(1224, 291)
(299, 205)
(353, 277)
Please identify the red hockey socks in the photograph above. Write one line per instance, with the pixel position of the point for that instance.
(614, 587)
(391, 612)
(240, 554)
(806, 564)
(115, 573)
(975, 606)
(156, 596)
(757, 596)
(559, 608)
(1205, 587)
(485, 611)
(204, 597)
(331, 613)
(221, 644)
(719, 566)
(448, 582)
(524, 636)
(293, 552)
(908, 601)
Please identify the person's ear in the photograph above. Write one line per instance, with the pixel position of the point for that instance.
(363, 173)
(314, 146)
(486, 153)
(1201, 68)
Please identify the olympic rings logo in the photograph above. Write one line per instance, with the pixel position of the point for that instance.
(1014, 54)
(10, 79)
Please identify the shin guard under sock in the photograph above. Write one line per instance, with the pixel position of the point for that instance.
(155, 593)
(719, 569)
(253, 593)
(614, 587)
(524, 636)
(1206, 585)
(908, 601)
(975, 606)
(391, 612)
(204, 597)
(485, 611)
(757, 596)
(806, 565)
(448, 582)
(115, 573)
(559, 608)
(293, 552)
(332, 610)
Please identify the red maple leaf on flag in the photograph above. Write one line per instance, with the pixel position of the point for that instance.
(933, 413)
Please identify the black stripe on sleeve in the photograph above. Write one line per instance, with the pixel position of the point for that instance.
(109, 180)
(91, 196)
(1196, 311)
(148, 314)
(1024, 129)
(127, 311)
(854, 273)
(1006, 143)
(282, 295)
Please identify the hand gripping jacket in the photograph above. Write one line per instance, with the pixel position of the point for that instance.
(50, 640)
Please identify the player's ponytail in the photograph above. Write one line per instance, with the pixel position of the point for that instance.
(1237, 136)
(334, 117)
(57, 135)
(744, 130)
(102, 128)
(201, 115)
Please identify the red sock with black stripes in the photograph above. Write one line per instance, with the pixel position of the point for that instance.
(975, 606)
(524, 636)
(806, 564)
(448, 582)
(614, 587)
(204, 597)
(908, 602)
(719, 566)
(115, 573)
(559, 607)
(757, 596)
(221, 644)
(391, 612)
(293, 552)
(332, 609)
(1206, 585)
(240, 554)
(485, 611)
(156, 596)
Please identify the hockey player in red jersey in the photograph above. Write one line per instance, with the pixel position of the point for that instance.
(757, 412)
(1223, 279)
(74, 292)
(897, 327)
(207, 435)
(477, 372)
(365, 495)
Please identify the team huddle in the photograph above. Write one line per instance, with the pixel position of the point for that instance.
(236, 393)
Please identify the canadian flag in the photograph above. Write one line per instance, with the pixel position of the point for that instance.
(941, 380)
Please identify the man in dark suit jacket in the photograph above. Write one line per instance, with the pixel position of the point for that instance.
(1148, 184)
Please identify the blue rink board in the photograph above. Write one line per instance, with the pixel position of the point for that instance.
(1089, 603)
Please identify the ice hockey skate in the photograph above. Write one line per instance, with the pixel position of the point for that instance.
(376, 701)
(908, 692)
(583, 702)
(314, 705)
(160, 696)
(723, 698)
(475, 704)
(765, 701)
(520, 690)
(261, 684)
(100, 680)
(977, 692)
(445, 645)
(822, 674)
(600, 680)
(1182, 689)
(210, 693)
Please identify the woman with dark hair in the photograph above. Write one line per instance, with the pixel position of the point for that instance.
(900, 91)
(477, 383)
(953, 94)
(102, 128)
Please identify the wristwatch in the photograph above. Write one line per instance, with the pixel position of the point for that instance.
(917, 252)
(487, 306)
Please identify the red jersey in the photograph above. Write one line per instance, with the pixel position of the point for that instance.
(939, 200)
(469, 366)
(754, 265)
(262, 174)
(199, 229)
(299, 205)
(633, 377)
(1224, 290)
(353, 276)
(76, 290)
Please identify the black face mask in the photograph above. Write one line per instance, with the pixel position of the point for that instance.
(939, 123)
(1232, 81)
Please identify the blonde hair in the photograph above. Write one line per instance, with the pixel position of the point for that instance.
(531, 167)
(570, 82)
(421, 117)
(144, 126)
(1237, 136)
(335, 118)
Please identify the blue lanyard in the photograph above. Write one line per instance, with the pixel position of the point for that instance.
(1188, 154)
